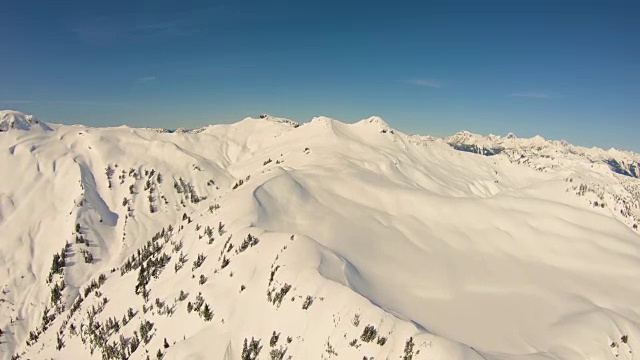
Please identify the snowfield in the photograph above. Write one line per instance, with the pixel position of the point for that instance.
(270, 239)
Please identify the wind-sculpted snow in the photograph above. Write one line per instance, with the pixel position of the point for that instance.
(270, 239)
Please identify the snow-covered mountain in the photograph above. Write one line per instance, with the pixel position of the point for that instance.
(10, 119)
(536, 148)
(270, 239)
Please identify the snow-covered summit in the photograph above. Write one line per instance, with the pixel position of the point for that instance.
(10, 119)
(279, 120)
(323, 120)
(375, 121)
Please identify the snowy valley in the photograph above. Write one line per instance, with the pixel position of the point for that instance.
(272, 239)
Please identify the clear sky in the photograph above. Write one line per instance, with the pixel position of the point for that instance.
(562, 69)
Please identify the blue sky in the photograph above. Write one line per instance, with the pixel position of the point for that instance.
(561, 69)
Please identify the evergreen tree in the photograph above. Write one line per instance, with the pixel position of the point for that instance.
(207, 314)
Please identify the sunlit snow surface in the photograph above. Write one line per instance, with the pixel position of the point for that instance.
(527, 254)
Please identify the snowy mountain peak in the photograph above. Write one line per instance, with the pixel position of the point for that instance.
(467, 137)
(511, 136)
(376, 121)
(279, 120)
(10, 119)
(619, 153)
(466, 134)
(323, 121)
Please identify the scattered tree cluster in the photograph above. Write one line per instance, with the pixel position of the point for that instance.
(369, 333)
(276, 296)
(87, 256)
(251, 350)
(248, 242)
(307, 302)
(408, 349)
(109, 171)
(240, 182)
(57, 264)
(276, 353)
(198, 261)
(151, 249)
(188, 191)
(203, 309)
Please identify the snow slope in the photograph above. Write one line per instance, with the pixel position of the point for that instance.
(317, 240)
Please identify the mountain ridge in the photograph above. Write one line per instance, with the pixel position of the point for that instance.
(461, 137)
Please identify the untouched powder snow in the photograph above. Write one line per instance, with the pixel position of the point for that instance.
(270, 239)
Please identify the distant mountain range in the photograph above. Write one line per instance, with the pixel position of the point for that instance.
(622, 162)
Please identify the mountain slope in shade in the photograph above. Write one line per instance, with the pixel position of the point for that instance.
(321, 240)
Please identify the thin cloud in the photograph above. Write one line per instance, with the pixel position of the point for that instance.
(145, 79)
(532, 95)
(423, 83)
